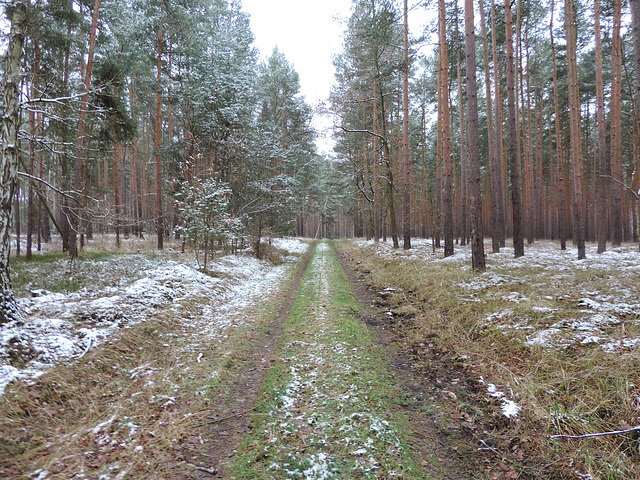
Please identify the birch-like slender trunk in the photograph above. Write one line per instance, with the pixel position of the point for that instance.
(10, 154)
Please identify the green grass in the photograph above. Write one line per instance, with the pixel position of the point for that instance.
(578, 389)
(328, 403)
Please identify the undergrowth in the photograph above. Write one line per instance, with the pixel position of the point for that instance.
(125, 409)
(577, 389)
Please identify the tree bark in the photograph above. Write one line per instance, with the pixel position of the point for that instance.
(443, 89)
(516, 196)
(473, 152)
(635, 31)
(32, 154)
(615, 188)
(560, 194)
(495, 241)
(405, 131)
(574, 121)
(10, 153)
(602, 183)
(75, 210)
(500, 195)
(158, 145)
(463, 188)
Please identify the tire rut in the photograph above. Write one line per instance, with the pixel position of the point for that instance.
(442, 456)
(209, 452)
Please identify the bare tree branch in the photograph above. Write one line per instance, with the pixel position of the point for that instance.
(368, 132)
(635, 194)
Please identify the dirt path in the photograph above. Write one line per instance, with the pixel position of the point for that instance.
(210, 450)
(444, 440)
(431, 391)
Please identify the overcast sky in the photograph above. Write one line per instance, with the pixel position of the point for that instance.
(309, 33)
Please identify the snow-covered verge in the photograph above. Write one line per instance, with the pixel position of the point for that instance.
(597, 315)
(547, 299)
(129, 289)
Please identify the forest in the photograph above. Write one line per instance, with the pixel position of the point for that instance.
(190, 289)
(158, 118)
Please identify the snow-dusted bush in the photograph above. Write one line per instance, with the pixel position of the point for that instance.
(204, 207)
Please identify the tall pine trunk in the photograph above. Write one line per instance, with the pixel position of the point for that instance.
(405, 132)
(602, 183)
(615, 187)
(32, 154)
(516, 196)
(158, 145)
(473, 151)
(495, 241)
(78, 164)
(443, 89)
(559, 167)
(462, 189)
(499, 143)
(635, 30)
(574, 121)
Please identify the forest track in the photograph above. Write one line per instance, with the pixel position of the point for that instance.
(279, 384)
(453, 426)
(210, 450)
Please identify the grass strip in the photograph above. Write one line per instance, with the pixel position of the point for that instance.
(327, 409)
(480, 324)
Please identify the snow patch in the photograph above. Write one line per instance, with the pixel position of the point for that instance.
(130, 289)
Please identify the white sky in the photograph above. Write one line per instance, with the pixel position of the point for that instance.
(309, 33)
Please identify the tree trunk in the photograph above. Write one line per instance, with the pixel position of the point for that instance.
(602, 183)
(461, 189)
(635, 30)
(495, 242)
(443, 89)
(376, 167)
(158, 145)
(615, 187)
(499, 226)
(405, 132)
(516, 198)
(574, 121)
(473, 152)
(560, 194)
(32, 154)
(75, 210)
(10, 154)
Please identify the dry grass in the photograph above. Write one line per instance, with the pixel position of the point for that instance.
(125, 409)
(578, 389)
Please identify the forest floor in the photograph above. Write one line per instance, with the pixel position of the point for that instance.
(343, 360)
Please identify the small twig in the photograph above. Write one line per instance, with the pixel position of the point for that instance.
(601, 434)
(210, 471)
(488, 447)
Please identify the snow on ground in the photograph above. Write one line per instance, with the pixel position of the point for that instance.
(129, 289)
(594, 313)
(570, 311)
(510, 409)
(303, 403)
